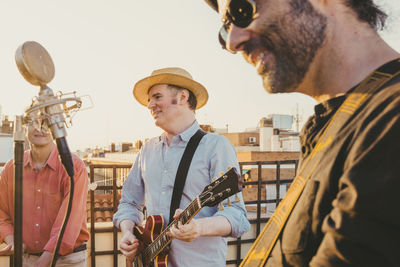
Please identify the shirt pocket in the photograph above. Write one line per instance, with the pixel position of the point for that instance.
(54, 185)
(297, 230)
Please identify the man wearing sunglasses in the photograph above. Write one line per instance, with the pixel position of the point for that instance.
(343, 209)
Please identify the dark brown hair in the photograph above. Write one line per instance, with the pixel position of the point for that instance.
(366, 10)
(369, 12)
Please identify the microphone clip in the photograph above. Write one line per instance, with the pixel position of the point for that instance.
(50, 111)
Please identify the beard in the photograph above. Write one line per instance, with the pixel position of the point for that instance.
(292, 42)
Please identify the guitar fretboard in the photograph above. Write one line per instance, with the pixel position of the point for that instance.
(163, 240)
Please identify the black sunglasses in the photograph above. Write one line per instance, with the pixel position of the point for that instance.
(239, 13)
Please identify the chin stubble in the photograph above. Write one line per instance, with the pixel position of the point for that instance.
(294, 41)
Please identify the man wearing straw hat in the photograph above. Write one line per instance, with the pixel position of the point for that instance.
(172, 97)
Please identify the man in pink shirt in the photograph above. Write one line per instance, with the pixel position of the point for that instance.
(45, 198)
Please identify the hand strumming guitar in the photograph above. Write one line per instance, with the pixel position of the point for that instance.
(129, 244)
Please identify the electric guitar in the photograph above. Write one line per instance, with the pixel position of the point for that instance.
(153, 240)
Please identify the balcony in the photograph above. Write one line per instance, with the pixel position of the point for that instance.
(265, 184)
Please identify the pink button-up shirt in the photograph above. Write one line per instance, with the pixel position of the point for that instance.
(45, 200)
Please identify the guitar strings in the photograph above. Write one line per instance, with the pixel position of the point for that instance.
(153, 246)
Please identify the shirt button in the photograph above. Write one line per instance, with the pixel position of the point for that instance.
(165, 171)
(38, 190)
(163, 192)
(38, 207)
(37, 225)
(36, 242)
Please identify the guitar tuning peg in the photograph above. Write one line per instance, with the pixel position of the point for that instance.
(221, 207)
(237, 199)
(229, 202)
(228, 168)
(214, 179)
(221, 173)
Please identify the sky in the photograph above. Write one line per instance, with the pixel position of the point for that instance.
(101, 48)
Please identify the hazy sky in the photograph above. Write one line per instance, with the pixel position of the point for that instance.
(101, 48)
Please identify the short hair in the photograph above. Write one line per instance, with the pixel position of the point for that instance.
(366, 10)
(369, 12)
(192, 98)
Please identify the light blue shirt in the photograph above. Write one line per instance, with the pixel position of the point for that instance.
(151, 182)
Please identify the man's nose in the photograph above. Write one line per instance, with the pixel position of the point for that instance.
(150, 105)
(236, 39)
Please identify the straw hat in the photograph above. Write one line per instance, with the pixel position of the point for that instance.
(173, 76)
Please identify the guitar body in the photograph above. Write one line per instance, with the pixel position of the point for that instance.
(153, 228)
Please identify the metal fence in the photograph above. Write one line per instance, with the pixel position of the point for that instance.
(112, 184)
(265, 183)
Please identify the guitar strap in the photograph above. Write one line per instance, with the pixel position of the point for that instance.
(182, 172)
(265, 242)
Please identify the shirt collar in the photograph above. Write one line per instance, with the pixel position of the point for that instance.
(189, 132)
(185, 135)
(51, 161)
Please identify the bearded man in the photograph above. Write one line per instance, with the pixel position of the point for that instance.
(342, 208)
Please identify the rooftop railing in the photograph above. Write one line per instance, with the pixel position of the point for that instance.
(265, 183)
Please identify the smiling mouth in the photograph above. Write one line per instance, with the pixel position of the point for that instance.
(155, 114)
(258, 58)
(259, 61)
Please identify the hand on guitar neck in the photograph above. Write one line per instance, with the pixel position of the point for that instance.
(185, 232)
(210, 226)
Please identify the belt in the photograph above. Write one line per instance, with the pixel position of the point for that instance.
(77, 249)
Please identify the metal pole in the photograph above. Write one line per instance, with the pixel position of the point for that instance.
(18, 187)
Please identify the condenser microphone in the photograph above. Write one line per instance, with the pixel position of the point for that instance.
(47, 110)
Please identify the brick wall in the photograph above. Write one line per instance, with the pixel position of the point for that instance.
(267, 156)
(242, 139)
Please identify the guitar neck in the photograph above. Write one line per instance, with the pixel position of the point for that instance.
(163, 240)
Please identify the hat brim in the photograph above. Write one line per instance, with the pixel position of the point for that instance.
(141, 88)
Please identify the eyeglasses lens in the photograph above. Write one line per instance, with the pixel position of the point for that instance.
(223, 34)
(240, 13)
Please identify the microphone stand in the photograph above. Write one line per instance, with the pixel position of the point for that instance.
(54, 119)
(18, 185)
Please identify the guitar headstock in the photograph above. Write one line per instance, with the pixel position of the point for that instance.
(225, 186)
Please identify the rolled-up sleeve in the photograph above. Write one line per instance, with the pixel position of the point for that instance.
(132, 200)
(224, 156)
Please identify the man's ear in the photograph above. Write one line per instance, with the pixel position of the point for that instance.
(184, 96)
